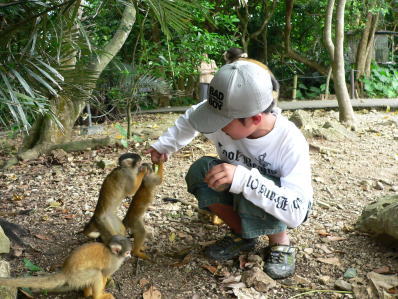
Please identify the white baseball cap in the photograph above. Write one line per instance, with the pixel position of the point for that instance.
(238, 90)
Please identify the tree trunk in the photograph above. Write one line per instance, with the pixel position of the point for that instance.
(365, 48)
(45, 132)
(336, 52)
(289, 52)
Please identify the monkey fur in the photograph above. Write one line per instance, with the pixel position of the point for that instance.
(134, 219)
(121, 182)
(88, 267)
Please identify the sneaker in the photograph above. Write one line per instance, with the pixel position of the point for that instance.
(280, 261)
(229, 247)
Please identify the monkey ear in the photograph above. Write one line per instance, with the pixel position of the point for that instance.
(115, 248)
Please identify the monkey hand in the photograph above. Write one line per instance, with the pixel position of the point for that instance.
(156, 157)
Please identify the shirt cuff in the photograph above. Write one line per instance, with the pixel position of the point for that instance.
(240, 177)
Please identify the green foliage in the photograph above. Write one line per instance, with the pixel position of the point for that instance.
(30, 266)
(311, 92)
(37, 38)
(383, 82)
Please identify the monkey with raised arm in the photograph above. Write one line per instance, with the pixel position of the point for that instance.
(88, 267)
(121, 182)
(134, 219)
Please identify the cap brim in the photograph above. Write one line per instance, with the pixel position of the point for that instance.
(204, 119)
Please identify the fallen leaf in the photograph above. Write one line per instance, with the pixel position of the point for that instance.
(42, 237)
(322, 233)
(152, 293)
(330, 260)
(172, 237)
(70, 216)
(336, 238)
(383, 270)
(210, 268)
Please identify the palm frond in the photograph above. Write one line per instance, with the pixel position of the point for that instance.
(173, 14)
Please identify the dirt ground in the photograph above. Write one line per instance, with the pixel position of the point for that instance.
(54, 198)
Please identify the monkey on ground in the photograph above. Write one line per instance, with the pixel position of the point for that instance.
(121, 182)
(134, 219)
(88, 267)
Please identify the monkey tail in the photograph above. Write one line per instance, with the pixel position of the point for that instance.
(46, 282)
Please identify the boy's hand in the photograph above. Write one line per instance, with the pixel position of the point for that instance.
(220, 176)
(156, 157)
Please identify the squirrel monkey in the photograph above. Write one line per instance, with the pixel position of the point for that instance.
(123, 181)
(88, 267)
(134, 219)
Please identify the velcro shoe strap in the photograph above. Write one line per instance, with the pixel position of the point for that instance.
(283, 248)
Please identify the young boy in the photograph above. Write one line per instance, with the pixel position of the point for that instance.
(262, 182)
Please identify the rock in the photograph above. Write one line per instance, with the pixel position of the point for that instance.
(4, 242)
(105, 164)
(350, 273)
(97, 129)
(380, 217)
(6, 292)
(342, 285)
(324, 279)
(257, 279)
(301, 119)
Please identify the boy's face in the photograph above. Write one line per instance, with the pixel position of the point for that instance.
(237, 129)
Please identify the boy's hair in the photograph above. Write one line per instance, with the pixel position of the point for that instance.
(268, 110)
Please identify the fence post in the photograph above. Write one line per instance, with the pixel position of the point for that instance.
(352, 84)
(90, 123)
(294, 87)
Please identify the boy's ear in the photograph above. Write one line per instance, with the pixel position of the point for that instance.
(257, 118)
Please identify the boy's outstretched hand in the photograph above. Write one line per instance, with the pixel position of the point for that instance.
(156, 157)
(220, 176)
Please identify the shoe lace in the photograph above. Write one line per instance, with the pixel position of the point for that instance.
(276, 257)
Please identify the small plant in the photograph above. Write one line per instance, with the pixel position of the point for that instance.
(383, 82)
(312, 92)
(30, 266)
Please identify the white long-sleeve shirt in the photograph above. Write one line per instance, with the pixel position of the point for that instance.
(282, 153)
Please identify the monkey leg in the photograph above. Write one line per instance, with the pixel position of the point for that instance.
(110, 225)
(91, 229)
(139, 234)
(98, 288)
(87, 292)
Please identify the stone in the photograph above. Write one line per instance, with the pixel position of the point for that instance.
(257, 279)
(380, 217)
(6, 292)
(342, 285)
(4, 242)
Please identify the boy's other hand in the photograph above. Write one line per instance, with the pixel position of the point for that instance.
(220, 176)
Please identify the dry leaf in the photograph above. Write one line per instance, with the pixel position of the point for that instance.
(336, 238)
(330, 260)
(383, 270)
(152, 293)
(211, 269)
(17, 197)
(42, 237)
(70, 216)
(322, 233)
(172, 237)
